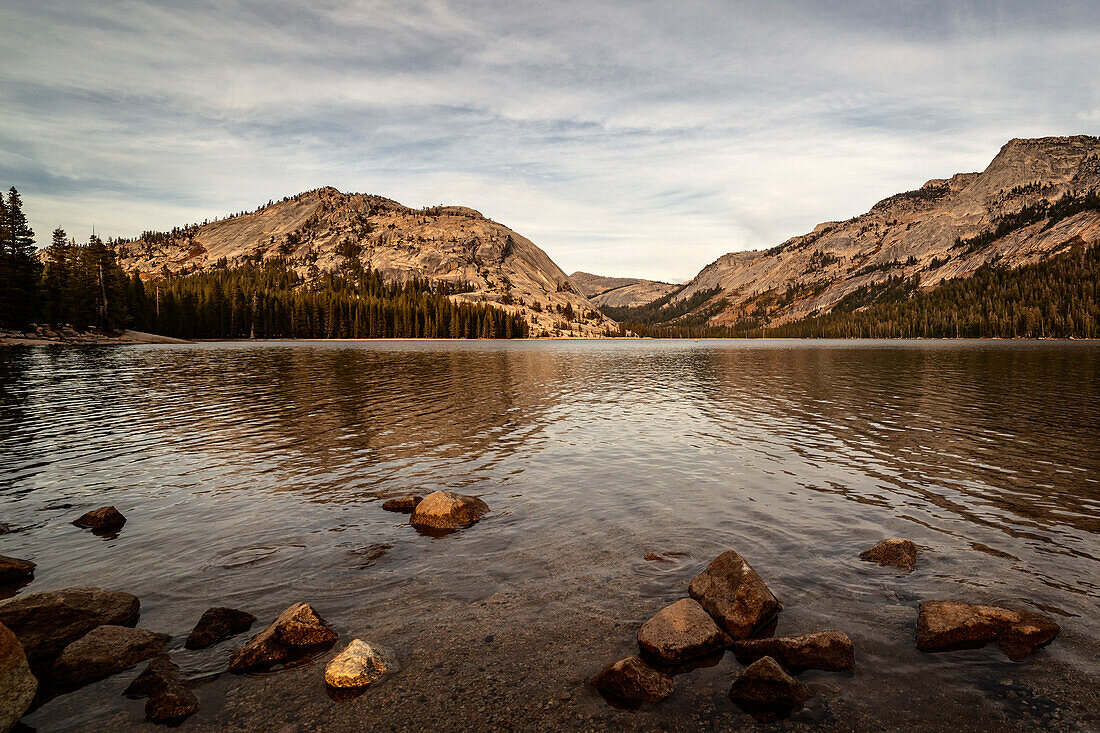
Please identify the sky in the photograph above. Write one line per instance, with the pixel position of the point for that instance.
(636, 138)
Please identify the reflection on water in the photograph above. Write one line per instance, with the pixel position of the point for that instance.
(252, 475)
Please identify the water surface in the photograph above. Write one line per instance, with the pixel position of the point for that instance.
(253, 474)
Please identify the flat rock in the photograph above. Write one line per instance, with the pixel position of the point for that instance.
(104, 651)
(157, 675)
(679, 633)
(402, 503)
(898, 553)
(218, 624)
(171, 704)
(360, 664)
(105, 518)
(448, 510)
(631, 683)
(951, 625)
(13, 570)
(297, 631)
(47, 622)
(17, 684)
(828, 650)
(732, 592)
(764, 683)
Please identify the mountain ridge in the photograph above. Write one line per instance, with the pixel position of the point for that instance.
(620, 292)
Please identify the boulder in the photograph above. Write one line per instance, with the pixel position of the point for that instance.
(157, 675)
(899, 553)
(402, 503)
(951, 625)
(105, 519)
(447, 510)
(360, 665)
(731, 591)
(218, 624)
(679, 633)
(17, 684)
(13, 570)
(297, 631)
(47, 622)
(631, 683)
(764, 683)
(103, 651)
(828, 650)
(171, 704)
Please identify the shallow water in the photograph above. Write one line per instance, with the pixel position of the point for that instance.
(252, 475)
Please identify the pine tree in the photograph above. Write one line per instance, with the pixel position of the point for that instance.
(21, 270)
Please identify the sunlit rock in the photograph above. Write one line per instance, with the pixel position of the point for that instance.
(448, 510)
(732, 592)
(679, 633)
(898, 553)
(950, 625)
(359, 665)
(298, 631)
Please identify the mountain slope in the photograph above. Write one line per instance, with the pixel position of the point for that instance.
(619, 292)
(325, 230)
(1036, 199)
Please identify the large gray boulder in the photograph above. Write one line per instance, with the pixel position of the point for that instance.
(445, 510)
(47, 622)
(680, 633)
(102, 652)
(732, 592)
(297, 632)
(829, 650)
(17, 684)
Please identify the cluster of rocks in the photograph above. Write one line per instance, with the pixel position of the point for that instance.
(439, 511)
(731, 608)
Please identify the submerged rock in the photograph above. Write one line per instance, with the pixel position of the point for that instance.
(5, 528)
(448, 510)
(47, 622)
(631, 683)
(732, 592)
(899, 553)
(105, 518)
(172, 704)
(13, 570)
(828, 650)
(679, 633)
(951, 625)
(17, 684)
(764, 684)
(297, 631)
(103, 651)
(402, 503)
(157, 675)
(360, 664)
(218, 624)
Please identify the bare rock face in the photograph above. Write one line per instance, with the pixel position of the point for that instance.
(619, 292)
(104, 651)
(218, 624)
(951, 625)
(829, 650)
(732, 592)
(107, 519)
(14, 570)
(359, 665)
(898, 553)
(631, 683)
(679, 633)
(404, 504)
(443, 510)
(764, 683)
(297, 632)
(17, 684)
(47, 622)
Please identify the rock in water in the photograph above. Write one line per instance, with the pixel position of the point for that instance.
(171, 704)
(899, 553)
(679, 633)
(105, 518)
(360, 665)
(17, 684)
(104, 651)
(47, 622)
(950, 625)
(731, 591)
(632, 683)
(764, 683)
(157, 675)
(218, 624)
(13, 570)
(297, 631)
(829, 650)
(402, 503)
(448, 510)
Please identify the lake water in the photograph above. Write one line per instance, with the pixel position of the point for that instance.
(252, 475)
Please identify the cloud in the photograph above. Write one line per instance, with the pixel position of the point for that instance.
(624, 137)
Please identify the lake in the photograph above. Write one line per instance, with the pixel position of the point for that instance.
(252, 476)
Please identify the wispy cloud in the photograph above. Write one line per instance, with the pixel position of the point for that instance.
(624, 137)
